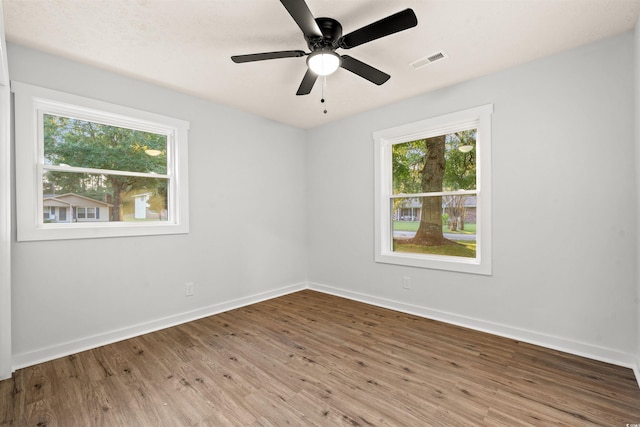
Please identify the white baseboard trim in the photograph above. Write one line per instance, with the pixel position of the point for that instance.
(34, 357)
(602, 354)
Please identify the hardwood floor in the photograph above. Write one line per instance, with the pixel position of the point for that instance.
(315, 359)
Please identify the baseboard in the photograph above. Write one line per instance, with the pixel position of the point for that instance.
(34, 357)
(557, 343)
(60, 350)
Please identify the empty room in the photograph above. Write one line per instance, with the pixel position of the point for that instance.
(319, 212)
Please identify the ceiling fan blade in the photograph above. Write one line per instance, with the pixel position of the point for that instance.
(308, 81)
(364, 70)
(267, 55)
(300, 13)
(384, 27)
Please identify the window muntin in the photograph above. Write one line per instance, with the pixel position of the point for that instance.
(115, 171)
(433, 193)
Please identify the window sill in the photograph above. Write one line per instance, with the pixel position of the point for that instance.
(471, 265)
(92, 230)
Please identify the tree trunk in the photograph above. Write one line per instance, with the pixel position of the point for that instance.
(430, 230)
(453, 220)
(119, 186)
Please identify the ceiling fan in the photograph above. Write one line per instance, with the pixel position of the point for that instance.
(324, 36)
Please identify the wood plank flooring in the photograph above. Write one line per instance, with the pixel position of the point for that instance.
(310, 359)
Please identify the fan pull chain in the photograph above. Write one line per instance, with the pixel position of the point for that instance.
(324, 86)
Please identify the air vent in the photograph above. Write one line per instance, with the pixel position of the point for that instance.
(422, 62)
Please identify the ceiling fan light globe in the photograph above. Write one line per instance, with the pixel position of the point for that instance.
(323, 63)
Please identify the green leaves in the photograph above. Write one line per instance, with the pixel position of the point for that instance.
(460, 171)
(82, 143)
(408, 163)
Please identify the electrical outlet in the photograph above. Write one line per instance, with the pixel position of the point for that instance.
(189, 289)
(406, 282)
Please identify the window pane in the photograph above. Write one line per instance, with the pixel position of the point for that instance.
(81, 143)
(102, 197)
(436, 164)
(439, 225)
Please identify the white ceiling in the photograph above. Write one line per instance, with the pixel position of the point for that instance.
(186, 44)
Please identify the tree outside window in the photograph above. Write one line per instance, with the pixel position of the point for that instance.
(71, 144)
(431, 175)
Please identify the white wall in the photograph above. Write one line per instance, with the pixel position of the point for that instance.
(247, 239)
(564, 231)
(565, 243)
(637, 123)
(5, 210)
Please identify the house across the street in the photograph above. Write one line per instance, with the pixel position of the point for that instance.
(411, 209)
(73, 207)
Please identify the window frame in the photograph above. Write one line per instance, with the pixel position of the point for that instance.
(478, 117)
(31, 103)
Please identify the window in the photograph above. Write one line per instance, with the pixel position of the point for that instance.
(49, 213)
(433, 192)
(88, 213)
(96, 159)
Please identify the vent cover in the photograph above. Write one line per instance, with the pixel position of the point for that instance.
(422, 62)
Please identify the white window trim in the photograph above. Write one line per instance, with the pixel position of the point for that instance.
(480, 117)
(29, 102)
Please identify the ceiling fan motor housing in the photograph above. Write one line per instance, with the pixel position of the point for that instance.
(331, 34)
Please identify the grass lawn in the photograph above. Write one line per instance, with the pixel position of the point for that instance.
(462, 249)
